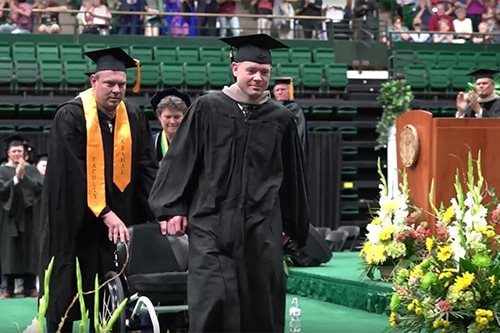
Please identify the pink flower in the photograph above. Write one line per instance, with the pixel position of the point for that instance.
(444, 306)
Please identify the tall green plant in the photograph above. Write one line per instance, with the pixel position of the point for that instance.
(395, 97)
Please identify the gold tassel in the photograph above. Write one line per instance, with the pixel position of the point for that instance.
(291, 96)
(137, 85)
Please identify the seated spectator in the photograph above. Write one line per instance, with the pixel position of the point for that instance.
(130, 24)
(397, 31)
(423, 9)
(49, 20)
(445, 36)
(483, 36)
(440, 15)
(462, 24)
(94, 17)
(153, 22)
(475, 11)
(228, 22)
(189, 6)
(417, 35)
(309, 8)
(20, 19)
(490, 15)
(173, 24)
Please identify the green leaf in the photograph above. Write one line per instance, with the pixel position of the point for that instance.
(468, 266)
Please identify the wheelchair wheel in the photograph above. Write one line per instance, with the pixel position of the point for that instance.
(112, 295)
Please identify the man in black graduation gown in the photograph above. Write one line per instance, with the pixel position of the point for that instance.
(233, 179)
(483, 103)
(101, 168)
(20, 191)
(283, 92)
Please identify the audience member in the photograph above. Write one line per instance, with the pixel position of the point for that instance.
(230, 178)
(263, 7)
(49, 18)
(417, 35)
(483, 36)
(208, 24)
(423, 9)
(20, 18)
(443, 35)
(173, 24)
(438, 16)
(475, 10)
(130, 24)
(404, 10)
(397, 31)
(490, 15)
(285, 26)
(232, 22)
(366, 19)
(170, 106)
(483, 102)
(311, 27)
(20, 190)
(94, 17)
(462, 24)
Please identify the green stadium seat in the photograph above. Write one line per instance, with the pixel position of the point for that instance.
(51, 74)
(349, 151)
(142, 53)
(218, 75)
(349, 212)
(49, 110)
(417, 77)
(349, 194)
(336, 76)
(402, 58)
(486, 60)
(498, 59)
(7, 110)
(346, 112)
(4, 50)
(466, 59)
(439, 77)
(131, 77)
(291, 70)
(448, 111)
(323, 128)
(29, 110)
(172, 74)
(321, 112)
(46, 129)
(300, 55)
(348, 132)
(23, 51)
(89, 47)
(29, 128)
(446, 59)
(70, 52)
(434, 111)
(165, 54)
(349, 171)
(188, 54)
(149, 74)
(211, 55)
(323, 55)
(459, 77)
(49, 51)
(426, 57)
(26, 74)
(311, 75)
(280, 56)
(5, 128)
(195, 74)
(74, 74)
(6, 73)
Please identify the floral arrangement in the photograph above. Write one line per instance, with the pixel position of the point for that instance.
(395, 97)
(454, 287)
(391, 235)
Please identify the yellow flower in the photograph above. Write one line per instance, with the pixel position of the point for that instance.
(418, 311)
(441, 323)
(463, 282)
(492, 280)
(393, 319)
(490, 233)
(444, 253)
(375, 254)
(376, 221)
(416, 271)
(429, 244)
(480, 228)
(445, 275)
(386, 233)
(448, 215)
(389, 206)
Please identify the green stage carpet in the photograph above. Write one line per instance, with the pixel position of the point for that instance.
(317, 317)
(340, 282)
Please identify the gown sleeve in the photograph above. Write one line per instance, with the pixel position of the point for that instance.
(293, 191)
(170, 195)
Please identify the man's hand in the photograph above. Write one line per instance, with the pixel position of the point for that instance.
(176, 226)
(20, 168)
(472, 97)
(461, 103)
(117, 230)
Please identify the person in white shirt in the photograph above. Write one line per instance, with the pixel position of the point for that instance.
(462, 24)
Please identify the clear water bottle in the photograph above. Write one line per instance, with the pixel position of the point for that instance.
(295, 313)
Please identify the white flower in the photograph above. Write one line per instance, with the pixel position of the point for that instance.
(456, 242)
(373, 233)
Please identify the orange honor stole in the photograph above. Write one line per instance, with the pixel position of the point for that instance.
(122, 152)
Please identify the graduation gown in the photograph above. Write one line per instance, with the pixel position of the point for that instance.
(240, 181)
(19, 218)
(491, 109)
(70, 228)
(300, 120)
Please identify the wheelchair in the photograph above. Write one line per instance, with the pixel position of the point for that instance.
(154, 279)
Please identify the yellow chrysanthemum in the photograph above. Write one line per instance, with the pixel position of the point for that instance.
(386, 233)
(463, 282)
(492, 280)
(389, 206)
(490, 233)
(418, 311)
(376, 221)
(444, 253)
(416, 271)
(429, 244)
(445, 275)
(393, 319)
(448, 215)
(480, 228)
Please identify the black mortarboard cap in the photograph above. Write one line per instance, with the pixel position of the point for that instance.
(40, 157)
(255, 48)
(283, 80)
(482, 73)
(157, 97)
(113, 59)
(14, 139)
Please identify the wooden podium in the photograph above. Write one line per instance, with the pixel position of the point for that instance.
(443, 146)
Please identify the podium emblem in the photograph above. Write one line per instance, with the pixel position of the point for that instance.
(409, 145)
